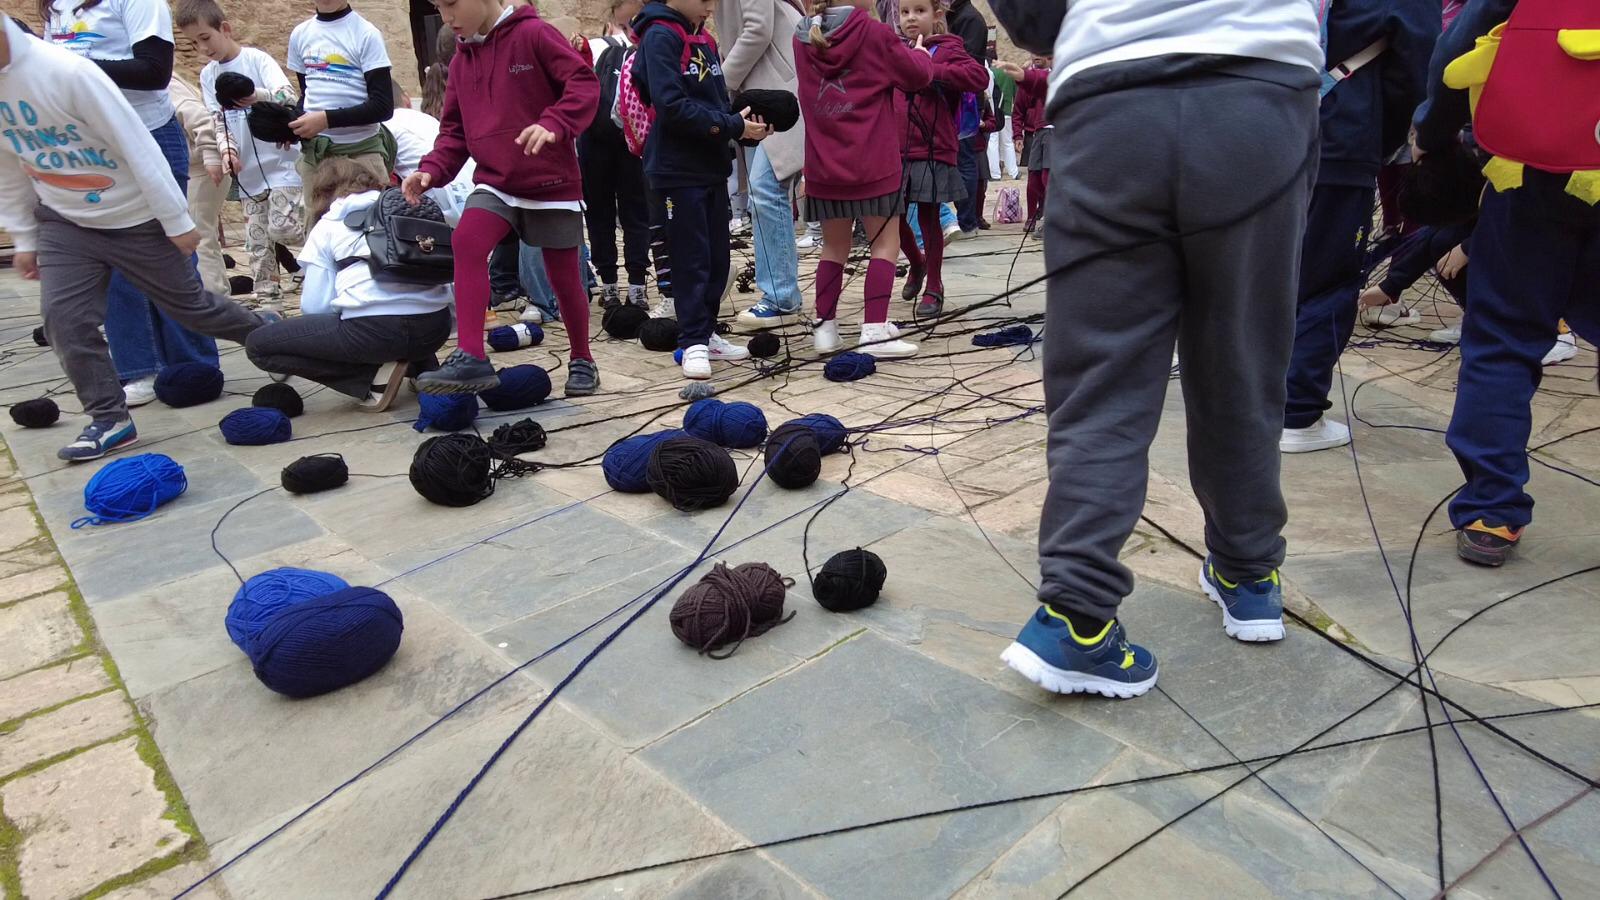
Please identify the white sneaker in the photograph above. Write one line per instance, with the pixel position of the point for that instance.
(953, 232)
(140, 392)
(883, 341)
(1324, 435)
(1389, 316)
(720, 348)
(697, 362)
(737, 225)
(1447, 335)
(664, 309)
(805, 242)
(1566, 347)
(533, 315)
(825, 337)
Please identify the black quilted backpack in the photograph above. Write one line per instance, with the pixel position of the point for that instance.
(406, 244)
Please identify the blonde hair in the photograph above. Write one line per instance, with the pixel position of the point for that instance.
(818, 39)
(335, 177)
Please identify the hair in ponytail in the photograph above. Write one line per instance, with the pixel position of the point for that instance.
(818, 39)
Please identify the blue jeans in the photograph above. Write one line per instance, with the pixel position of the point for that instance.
(947, 215)
(967, 165)
(536, 280)
(772, 222)
(142, 340)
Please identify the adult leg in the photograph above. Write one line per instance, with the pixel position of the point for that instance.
(967, 206)
(1330, 279)
(777, 264)
(695, 292)
(475, 238)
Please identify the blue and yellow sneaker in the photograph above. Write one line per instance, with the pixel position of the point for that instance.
(1251, 611)
(1050, 654)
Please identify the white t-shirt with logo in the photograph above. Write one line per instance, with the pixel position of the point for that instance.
(335, 58)
(109, 31)
(263, 166)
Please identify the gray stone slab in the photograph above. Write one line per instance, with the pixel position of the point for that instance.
(747, 877)
(792, 757)
(43, 688)
(60, 731)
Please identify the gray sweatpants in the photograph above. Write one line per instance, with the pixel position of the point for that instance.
(75, 266)
(1222, 160)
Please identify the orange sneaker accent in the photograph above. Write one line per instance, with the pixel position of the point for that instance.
(1501, 531)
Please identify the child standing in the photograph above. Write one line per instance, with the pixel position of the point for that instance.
(206, 190)
(613, 178)
(268, 182)
(517, 97)
(84, 188)
(1031, 130)
(850, 68)
(688, 158)
(929, 145)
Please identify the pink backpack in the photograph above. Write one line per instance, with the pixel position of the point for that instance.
(1008, 208)
(631, 113)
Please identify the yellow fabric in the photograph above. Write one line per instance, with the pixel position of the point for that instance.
(1470, 70)
(1090, 642)
(1504, 174)
(1580, 43)
(1585, 186)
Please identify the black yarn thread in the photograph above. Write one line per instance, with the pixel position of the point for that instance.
(793, 458)
(692, 474)
(764, 345)
(281, 397)
(849, 581)
(315, 474)
(729, 605)
(41, 412)
(660, 335)
(624, 321)
(453, 470)
(513, 438)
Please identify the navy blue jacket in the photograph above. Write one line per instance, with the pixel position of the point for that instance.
(690, 142)
(1446, 111)
(1367, 116)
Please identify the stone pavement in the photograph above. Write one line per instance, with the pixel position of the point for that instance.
(654, 755)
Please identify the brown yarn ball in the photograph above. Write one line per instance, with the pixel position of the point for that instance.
(729, 605)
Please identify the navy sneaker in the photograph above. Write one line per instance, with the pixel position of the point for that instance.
(583, 378)
(1050, 654)
(461, 373)
(100, 438)
(1251, 611)
(766, 314)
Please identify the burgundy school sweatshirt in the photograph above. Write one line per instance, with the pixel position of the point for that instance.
(1027, 111)
(523, 73)
(847, 96)
(932, 115)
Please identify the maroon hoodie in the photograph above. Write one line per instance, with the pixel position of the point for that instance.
(523, 73)
(1027, 111)
(932, 116)
(847, 97)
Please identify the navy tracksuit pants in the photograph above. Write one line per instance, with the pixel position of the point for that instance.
(1330, 278)
(697, 237)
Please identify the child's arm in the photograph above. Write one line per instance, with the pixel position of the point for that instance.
(97, 100)
(273, 86)
(675, 110)
(575, 109)
(910, 68)
(960, 72)
(149, 28)
(17, 201)
(200, 128)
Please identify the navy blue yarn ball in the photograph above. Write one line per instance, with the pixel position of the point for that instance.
(739, 424)
(327, 642)
(131, 488)
(830, 432)
(265, 595)
(255, 426)
(507, 338)
(850, 366)
(1010, 336)
(446, 412)
(188, 384)
(627, 461)
(520, 387)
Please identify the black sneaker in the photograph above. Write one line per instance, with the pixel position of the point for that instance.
(583, 378)
(513, 303)
(1485, 544)
(609, 296)
(462, 373)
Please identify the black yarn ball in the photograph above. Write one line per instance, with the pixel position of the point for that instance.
(232, 88)
(793, 458)
(281, 397)
(512, 438)
(849, 581)
(269, 122)
(240, 284)
(764, 345)
(228, 261)
(624, 321)
(778, 108)
(453, 469)
(39, 338)
(660, 335)
(38, 413)
(692, 474)
(314, 474)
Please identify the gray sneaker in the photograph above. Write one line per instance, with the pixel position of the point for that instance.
(462, 373)
(608, 296)
(583, 378)
(636, 296)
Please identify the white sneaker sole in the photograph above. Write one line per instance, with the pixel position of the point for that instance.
(884, 351)
(1254, 631)
(1312, 446)
(1028, 664)
(764, 322)
(741, 357)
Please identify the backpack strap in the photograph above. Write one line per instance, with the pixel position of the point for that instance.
(1332, 77)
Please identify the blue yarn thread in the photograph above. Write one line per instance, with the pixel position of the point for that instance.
(446, 412)
(830, 432)
(133, 487)
(266, 595)
(514, 337)
(255, 426)
(1010, 336)
(188, 384)
(850, 366)
(327, 642)
(520, 387)
(739, 425)
(626, 461)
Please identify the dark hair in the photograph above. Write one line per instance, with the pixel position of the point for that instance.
(198, 12)
(1442, 188)
(433, 80)
(47, 9)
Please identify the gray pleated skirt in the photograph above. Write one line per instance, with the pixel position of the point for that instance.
(931, 181)
(1037, 150)
(558, 229)
(820, 210)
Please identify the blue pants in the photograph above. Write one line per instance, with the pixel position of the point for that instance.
(535, 279)
(1535, 260)
(967, 165)
(697, 236)
(1325, 313)
(143, 340)
(772, 225)
(947, 214)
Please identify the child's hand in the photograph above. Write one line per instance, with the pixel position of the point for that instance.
(1451, 264)
(216, 174)
(535, 138)
(754, 128)
(245, 102)
(1018, 142)
(414, 186)
(231, 162)
(187, 243)
(310, 125)
(27, 265)
(1012, 69)
(919, 46)
(1373, 296)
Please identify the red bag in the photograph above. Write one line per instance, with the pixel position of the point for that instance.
(1541, 102)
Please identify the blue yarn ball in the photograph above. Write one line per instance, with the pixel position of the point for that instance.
(1010, 336)
(273, 591)
(677, 356)
(850, 366)
(514, 337)
(188, 384)
(520, 387)
(830, 432)
(446, 412)
(131, 488)
(626, 461)
(254, 426)
(327, 642)
(739, 425)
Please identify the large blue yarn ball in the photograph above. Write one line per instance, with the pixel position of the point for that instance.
(520, 387)
(446, 412)
(327, 642)
(131, 488)
(739, 424)
(188, 384)
(626, 462)
(264, 596)
(830, 432)
(849, 366)
(255, 426)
